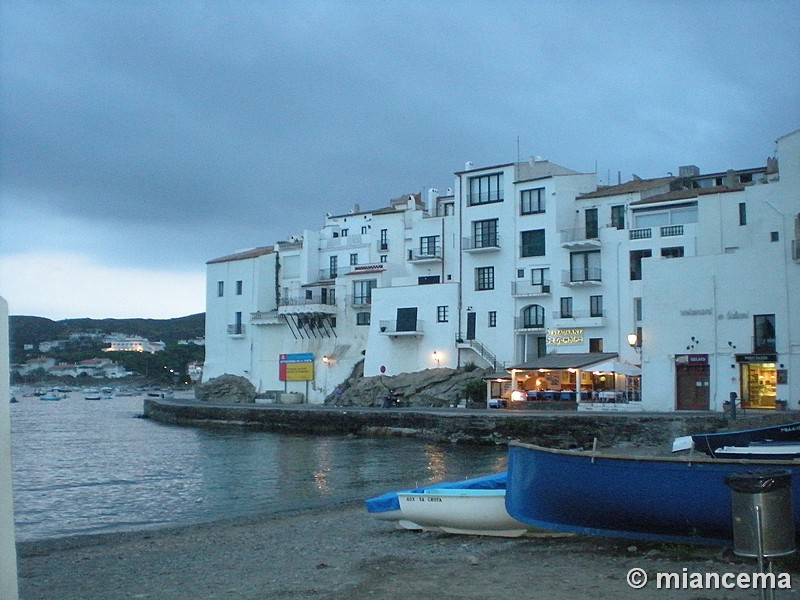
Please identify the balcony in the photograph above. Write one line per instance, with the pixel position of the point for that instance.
(360, 301)
(528, 326)
(382, 246)
(390, 328)
(429, 254)
(368, 268)
(520, 289)
(577, 277)
(314, 303)
(326, 274)
(646, 233)
(671, 230)
(271, 317)
(580, 239)
(236, 330)
(579, 319)
(476, 245)
(346, 241)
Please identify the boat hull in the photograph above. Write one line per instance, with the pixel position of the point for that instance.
(470, 512)
(386, 507)
(662, 499)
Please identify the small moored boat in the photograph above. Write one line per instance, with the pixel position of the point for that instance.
(386, 507)
(672, 499)
(465, 511)
(775, 441)
(52, 396)
(91, 394)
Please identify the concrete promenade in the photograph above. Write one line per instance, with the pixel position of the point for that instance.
(549, 428)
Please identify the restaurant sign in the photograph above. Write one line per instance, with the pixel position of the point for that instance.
(560, 337)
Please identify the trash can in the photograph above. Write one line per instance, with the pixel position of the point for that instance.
(764, 496)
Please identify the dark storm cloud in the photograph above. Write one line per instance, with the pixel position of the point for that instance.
(239, 123)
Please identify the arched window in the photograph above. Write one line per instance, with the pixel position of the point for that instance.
(533, 317)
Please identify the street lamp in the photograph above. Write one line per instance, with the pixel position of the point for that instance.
(633, 340)
(435, 357)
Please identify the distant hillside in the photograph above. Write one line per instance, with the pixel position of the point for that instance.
(32, 330)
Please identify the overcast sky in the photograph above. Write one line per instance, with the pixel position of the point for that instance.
(141, 139)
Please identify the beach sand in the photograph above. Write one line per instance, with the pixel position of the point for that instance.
(343, 554)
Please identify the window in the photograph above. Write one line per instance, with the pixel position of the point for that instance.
(363, 230)
(566, 307)
(384, 241)
(774, 236)
(484, 278)
(484, 233)
(441, 314)
(531, 201)
(449, 209)
(345, 231)
(332, 263)
(532, 243)
(237, 324)
(309, 294)
(590, 220)
(742, 213)
(362, 291)
(672, 252)
(239, 288)
(362, 318)
(636, 262)
(429, 245)
(220, 289)
(595, 344)
(384, 258)
(584, 266)
(764, 330)
(520, 273)
(485, 189)
(353, 259)
(595, 306)
(660, 217)
(427, 279)
(533, 317)
(541, 278)
(637, 309)
(492, 318)
(618, 216)
(331, 296)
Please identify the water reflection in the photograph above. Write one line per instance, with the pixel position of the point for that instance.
(91, 466)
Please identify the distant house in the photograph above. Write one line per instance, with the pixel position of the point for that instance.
(34, 364)
(100, 368)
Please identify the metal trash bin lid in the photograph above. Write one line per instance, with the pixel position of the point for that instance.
(758, 482)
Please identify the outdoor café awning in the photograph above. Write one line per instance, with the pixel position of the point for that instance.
(586, 361)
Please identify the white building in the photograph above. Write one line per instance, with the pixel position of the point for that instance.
(530, 266)
(132, 344)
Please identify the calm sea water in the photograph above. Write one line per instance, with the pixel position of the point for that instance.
(92, 466)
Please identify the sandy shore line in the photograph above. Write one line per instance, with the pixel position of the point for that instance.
(343, 554)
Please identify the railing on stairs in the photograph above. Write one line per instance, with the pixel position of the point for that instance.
(480, 350)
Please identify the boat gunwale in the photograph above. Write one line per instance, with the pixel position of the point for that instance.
(704, 459)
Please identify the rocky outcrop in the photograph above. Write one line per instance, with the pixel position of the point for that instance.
(431, 387)
(230, 389)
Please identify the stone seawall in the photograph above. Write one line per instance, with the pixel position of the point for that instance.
(564, 430)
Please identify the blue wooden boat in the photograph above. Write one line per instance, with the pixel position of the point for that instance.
(670, 499)
(386, 507)
(734, 444)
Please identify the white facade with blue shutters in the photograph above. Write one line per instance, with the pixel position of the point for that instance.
(525, 260)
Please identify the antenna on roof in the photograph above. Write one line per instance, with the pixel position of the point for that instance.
(517, 148)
